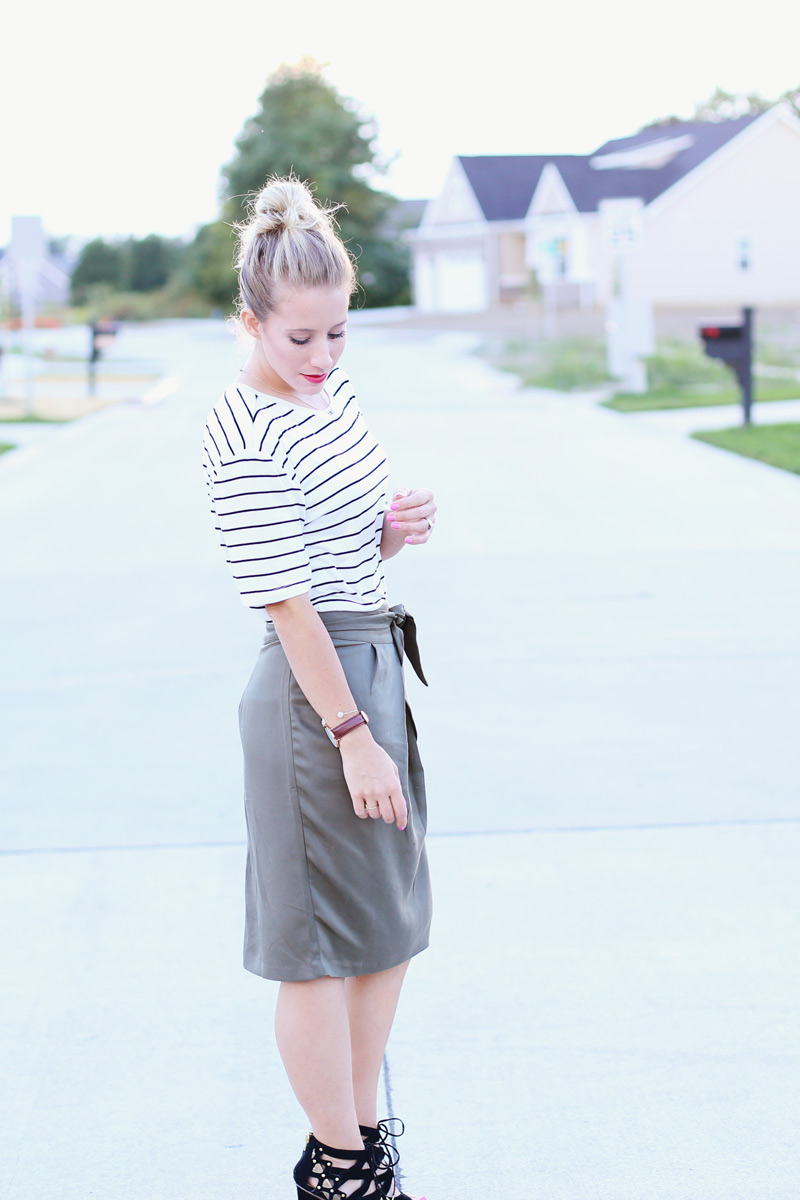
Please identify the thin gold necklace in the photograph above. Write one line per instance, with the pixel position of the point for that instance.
(284, 395)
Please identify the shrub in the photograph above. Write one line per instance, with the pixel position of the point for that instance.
(679, 365)
(569, 364)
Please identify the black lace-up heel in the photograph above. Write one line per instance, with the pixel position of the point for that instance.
(318, 1175)
(379, 1143)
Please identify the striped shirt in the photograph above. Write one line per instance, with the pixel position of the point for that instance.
(298, 497)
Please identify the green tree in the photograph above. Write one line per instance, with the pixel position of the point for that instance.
(150, 262)
(722, 106)
(99, 263)
(207, 265)
(303, 125)
(792, 98)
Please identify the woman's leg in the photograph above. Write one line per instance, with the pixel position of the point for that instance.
(313, 1034)
(371, 1005)
(332, 1035)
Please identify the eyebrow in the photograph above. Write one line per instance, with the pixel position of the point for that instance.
(335, 325)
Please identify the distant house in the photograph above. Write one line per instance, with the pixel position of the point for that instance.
(718, 219)
(53, 279)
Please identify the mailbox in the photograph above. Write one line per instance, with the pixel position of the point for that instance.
(102, 336)
(733, 345)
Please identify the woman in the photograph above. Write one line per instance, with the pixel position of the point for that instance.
(337, 888)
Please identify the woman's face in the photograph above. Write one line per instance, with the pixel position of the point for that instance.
(303, 339)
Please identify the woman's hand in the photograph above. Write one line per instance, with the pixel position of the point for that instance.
(408, 521)
(372, 778)
(370, 774)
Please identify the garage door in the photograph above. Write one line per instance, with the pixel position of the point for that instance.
(462, 285)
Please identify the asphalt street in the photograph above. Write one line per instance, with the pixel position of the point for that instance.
(608, 618)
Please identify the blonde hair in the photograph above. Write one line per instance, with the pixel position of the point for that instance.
(289, 238)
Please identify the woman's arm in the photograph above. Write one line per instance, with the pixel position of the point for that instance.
(407, 521)
(371, 775)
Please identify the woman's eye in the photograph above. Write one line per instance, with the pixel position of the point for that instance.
(305, 341)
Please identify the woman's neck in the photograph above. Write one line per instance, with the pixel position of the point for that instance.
(257, 380)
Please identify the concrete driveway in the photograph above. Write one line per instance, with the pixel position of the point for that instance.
(608, 618)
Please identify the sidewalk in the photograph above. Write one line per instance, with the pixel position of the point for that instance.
(608, 619)
(683, 421)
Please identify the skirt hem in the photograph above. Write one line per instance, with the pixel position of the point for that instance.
(334, 970)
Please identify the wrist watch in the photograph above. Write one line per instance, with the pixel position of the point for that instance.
(338, 731)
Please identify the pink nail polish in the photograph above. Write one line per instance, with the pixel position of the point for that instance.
(410, 540)
(395, 525)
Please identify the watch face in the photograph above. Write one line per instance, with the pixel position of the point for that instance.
(334, 739)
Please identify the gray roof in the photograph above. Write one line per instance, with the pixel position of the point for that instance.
(407, 214)
(504, 184)
(708, 135)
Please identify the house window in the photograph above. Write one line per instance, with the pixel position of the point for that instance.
(557, 251)
(745, 254)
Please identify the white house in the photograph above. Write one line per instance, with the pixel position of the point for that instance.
(718, 224)
(52, 279)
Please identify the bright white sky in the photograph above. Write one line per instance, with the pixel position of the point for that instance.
(116, 118)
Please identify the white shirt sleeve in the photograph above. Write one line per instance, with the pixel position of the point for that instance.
(259, 516)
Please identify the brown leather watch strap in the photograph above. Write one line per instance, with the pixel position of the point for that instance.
(359, 718)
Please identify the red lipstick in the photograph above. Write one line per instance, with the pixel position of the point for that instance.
(316, 379)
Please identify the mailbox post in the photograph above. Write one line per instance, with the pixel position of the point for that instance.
(733, 345)
(103, 334)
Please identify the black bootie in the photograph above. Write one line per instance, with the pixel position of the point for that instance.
(378, 1142)
(317, 1174)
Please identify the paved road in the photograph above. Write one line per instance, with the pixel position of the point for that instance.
(608, 618)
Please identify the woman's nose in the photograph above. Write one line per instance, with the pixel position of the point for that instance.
(322, 358)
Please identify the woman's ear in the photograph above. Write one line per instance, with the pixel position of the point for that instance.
(251, 323)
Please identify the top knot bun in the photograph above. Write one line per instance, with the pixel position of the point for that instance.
(283, 206)
(286, 205)
(289, 239)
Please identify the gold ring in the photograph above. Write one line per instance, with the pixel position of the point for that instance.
(371, 807)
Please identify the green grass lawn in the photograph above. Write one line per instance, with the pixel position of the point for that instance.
(565, 365)
(777, 445)
(692, 397)
(5, 446)
(32, 419)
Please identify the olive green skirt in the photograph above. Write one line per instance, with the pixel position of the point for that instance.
(327, 892)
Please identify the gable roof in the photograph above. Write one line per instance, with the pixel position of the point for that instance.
(707, 136)
(504, 184)
(702, 138)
